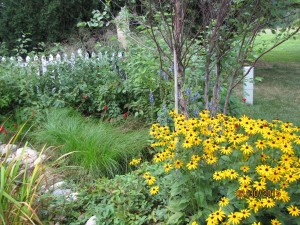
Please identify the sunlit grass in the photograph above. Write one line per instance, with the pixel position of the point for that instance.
(288, 51)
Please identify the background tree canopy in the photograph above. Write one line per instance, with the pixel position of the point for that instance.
(47, 20)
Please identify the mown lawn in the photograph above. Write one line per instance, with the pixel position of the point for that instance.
(277, 96)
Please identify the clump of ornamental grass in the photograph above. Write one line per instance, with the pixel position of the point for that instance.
(227, 170)
(19, 190)
(99, 148)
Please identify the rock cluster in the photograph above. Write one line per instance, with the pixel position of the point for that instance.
(27, 155)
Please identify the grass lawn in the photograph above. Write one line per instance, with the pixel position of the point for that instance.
(277, 96)
(289, 51)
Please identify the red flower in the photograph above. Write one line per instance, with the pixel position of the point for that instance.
(3, 130)
(244, 99)
(125, 115)
(105, 107)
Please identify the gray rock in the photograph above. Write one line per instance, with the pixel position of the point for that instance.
(62, 192)
(92, 221)
(7, 147)
(52, 187)
(72, 197)
(27, 155)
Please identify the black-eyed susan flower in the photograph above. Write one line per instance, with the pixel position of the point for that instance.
(167, 167)
(223, 201)
(154, 190)
(293, 210)
(196, 158)
(226, 150)
(150, 180)
(219, 214)
(218, 175)
(231, 173)
(178, 164)
(244, 168)
(135, 162)
(268, 202)
(235, 218)
(246, 149)
(282, 195)
(244, 179)
(275, 222)
(259, 185)
(212, 219)
(245, 213)
(146, 175)
(192, 165)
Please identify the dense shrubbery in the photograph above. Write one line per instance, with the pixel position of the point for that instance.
(109, 87)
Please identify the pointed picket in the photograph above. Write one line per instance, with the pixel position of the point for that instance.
(79, 52)
(27, 59)
(86, 56)
(58, 58)
(51, 58)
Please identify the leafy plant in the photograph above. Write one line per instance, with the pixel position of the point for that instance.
(122, 200)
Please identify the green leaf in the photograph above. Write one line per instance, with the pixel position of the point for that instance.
(199, 196)
(81, 24)
(178, 205)
(226, 158)
(174, 219)
(259, 79)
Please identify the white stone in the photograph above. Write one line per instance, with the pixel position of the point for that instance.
(72, 197)
(60, 192)
(92, 221)
(27, 155)
(52, 187)
(6, 147)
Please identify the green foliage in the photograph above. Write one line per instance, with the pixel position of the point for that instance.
(17, 87)
(18, 190)
(99, 148)
(122, 200)
(44, 20)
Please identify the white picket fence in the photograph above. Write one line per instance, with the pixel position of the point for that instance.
(44, 61)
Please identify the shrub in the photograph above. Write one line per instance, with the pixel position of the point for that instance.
(230, 170)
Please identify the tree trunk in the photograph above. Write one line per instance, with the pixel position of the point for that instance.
(216, 90)
(177, 45)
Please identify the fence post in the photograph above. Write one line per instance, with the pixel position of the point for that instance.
(248, 84)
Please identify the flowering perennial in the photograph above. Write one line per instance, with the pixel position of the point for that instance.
(256, 155)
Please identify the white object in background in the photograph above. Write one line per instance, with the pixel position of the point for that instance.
(248, 84)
